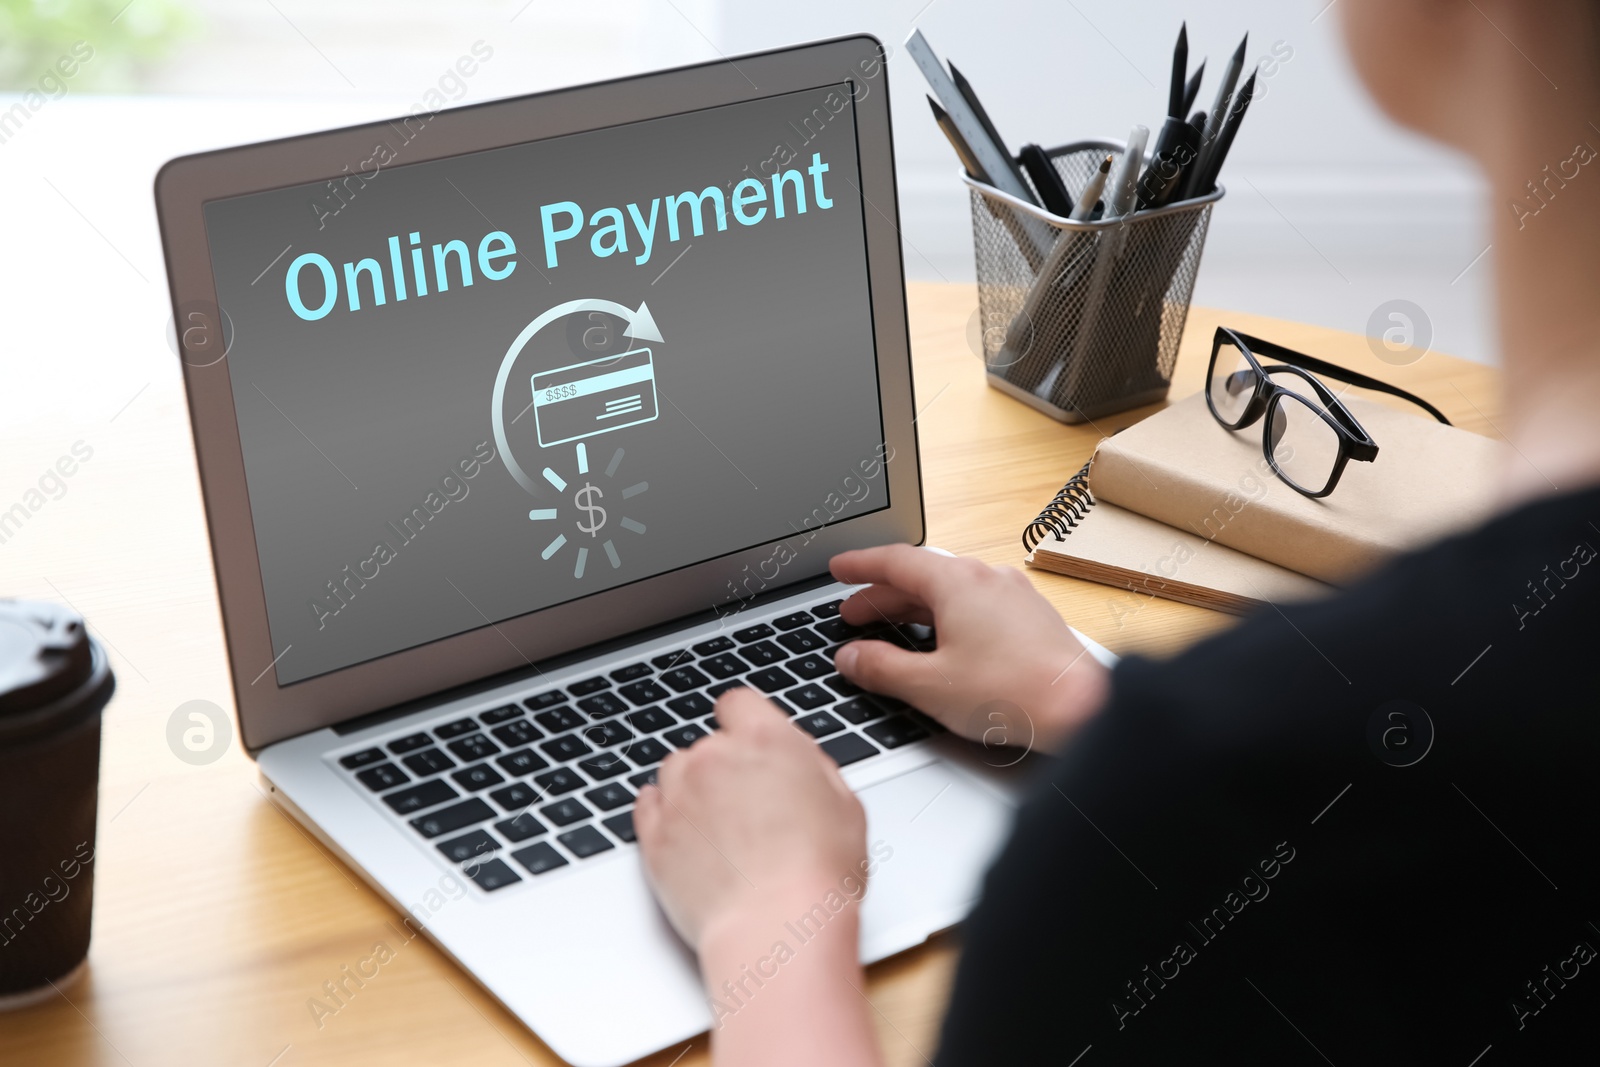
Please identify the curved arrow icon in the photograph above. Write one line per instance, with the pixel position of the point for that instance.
(641, 327)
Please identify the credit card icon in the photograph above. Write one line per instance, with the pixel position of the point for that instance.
(594, 397)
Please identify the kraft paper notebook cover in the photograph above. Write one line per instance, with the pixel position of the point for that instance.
(1180, 507)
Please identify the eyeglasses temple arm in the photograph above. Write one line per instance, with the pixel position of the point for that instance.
(1300, 359)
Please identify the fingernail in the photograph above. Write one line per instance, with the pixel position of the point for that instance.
(845, 658)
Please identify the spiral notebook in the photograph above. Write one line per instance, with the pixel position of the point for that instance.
(1178, 507)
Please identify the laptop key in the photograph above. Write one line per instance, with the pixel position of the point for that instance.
(475, 747)
(606, 734)
(809, 666)
(566, 812)
(605, 705)
(589, 685)
(455, 729)
(365, 758)
(516, 796)
(604, 765)
(639, 781)
(691, 705)
(837, 630)
(517, 733)
(819, 724)
(683, 679)
(809, 696)
(540, 701)
(842, 685)
(585, 841)
(610, 796)
(566, 747)
(539, 858)
(522, 761)
(561, 780)
(857, 711)
(710, 722)
(722, 687)
(621, 826)
(470, 844)
(848, 748)
(455, 817)
(480, 776)
(828, 610)
(383, 776)
(895, 731)
(725, 665)
(426, 795)
(668, 660)
(510, 711)
(646, 751)
(521, 828)
(792, 622)
(410, 743)
(771, 679)
(684, 736)
(753, 633)
(493, 875)
(630, 672)
(712, 646)
(558, 719)
(641, 693)
(763, 654)
(804, 640)
(649, 720)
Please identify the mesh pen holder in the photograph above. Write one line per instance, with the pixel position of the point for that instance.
(1082, 319)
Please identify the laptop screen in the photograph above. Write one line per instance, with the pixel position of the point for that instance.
(475, 387)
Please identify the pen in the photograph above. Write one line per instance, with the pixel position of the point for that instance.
(1193, 89)
(1180, 67)
(1125, 185)
(1091, 192)
(973, 168)
(1198, 121)
(964, 87)
(1207, 181)
(1046, 179)
(1230, 80)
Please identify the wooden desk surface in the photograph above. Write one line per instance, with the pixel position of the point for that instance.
(217, 919)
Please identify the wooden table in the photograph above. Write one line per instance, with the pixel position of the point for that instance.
(217, 919)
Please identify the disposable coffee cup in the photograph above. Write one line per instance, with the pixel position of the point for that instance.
(54, 683)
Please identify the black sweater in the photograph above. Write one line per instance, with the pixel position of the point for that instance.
(1356, 831)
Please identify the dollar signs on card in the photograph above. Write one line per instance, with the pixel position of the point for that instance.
(595, 515)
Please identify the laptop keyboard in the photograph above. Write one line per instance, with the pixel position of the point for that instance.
(533, 786)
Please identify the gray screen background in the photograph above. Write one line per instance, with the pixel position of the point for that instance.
(767, 377)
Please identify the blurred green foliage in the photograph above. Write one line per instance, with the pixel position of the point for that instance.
(129, 40)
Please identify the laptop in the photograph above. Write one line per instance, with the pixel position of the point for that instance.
(524, 431)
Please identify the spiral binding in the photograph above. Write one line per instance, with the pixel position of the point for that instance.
(1064, 512)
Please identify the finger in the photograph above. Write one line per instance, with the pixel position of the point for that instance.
(911, 570)
(880, 667)
(883, 603)
(669, 776)
(738, 710)
(647, 816)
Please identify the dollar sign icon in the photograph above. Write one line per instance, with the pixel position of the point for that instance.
(585, 499)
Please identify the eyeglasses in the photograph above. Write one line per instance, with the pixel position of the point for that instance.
(1307, 441)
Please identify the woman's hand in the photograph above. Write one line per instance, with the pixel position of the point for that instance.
(749, 831)
(746, 819)
(1006, 671)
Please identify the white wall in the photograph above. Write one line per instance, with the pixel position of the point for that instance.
(1331, 211)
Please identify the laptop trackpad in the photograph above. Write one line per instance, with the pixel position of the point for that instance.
(931, 834)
